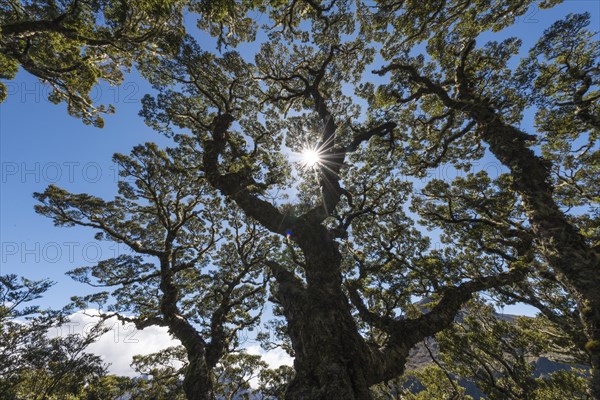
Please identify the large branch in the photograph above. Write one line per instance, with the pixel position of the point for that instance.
(563, 246)
(27, 28)
(426, 84)
(31, 27)
(444, 312)
(236, 185)
(292, 296)
(178, 325)
(333, 158)
(404, 334)
(362, 137)
(139, 322)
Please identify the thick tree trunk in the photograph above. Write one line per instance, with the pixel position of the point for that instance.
(329, 362)
(331, 358)
(196, 382)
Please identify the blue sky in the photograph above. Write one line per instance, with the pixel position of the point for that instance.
(41, 145)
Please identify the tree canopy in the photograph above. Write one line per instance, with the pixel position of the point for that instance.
(378, 93)
(72, 45)
(205, 294)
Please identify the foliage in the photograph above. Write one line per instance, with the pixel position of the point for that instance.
(197, 263)
(341, 242)
(500, 357)
(72, 45)
(430, 382)
(36, 365)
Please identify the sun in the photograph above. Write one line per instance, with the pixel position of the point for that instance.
(310, 158)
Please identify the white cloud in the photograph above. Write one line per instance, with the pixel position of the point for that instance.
(275, 358)
(118, 346)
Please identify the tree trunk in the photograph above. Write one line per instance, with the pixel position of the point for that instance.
(196, 382)
(329, 361)
(330, 355)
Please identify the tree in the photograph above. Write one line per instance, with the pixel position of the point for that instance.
(72, 45)
(489, 355)
(428, 383)
(348, 237)
(273, 382)
(464, 100)
(112, 387)
(500, 356)
(34, 364)
(197, 264)
(232, 376)
(351, 256)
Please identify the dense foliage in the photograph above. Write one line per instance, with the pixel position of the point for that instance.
(228, 219)
(35, 365)
(72, 45)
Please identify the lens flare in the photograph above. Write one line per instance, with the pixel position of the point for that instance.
(310, 158)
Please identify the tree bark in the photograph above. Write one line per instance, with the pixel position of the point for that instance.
(197, 384)
(330, 355)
